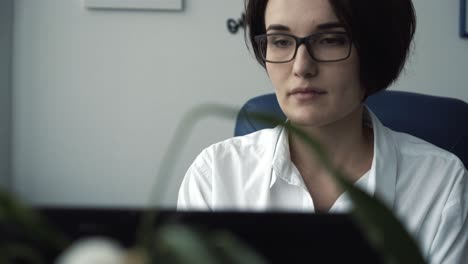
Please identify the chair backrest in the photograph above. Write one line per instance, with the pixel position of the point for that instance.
(439, 120)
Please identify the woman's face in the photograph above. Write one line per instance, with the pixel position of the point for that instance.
(311, 93)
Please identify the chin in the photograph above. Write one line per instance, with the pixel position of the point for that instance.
(308, 120)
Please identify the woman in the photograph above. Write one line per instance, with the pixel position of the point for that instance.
(324, 57)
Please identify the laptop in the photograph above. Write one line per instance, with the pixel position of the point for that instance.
(277, 236)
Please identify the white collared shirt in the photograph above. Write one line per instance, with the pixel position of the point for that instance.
(425, 186)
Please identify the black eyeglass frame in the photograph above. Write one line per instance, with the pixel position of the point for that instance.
(300, 41)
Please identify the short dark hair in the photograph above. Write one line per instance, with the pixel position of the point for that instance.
(382, 32)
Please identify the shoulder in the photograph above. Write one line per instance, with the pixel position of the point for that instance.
(225, 173)
(423, 171)
(247, 146)
(428, 173)
(432, 190)
(411, 151)
(411, 148)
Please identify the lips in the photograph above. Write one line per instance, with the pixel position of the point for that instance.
(307, 90)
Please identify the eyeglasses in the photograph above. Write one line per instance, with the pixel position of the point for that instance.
(322, 47)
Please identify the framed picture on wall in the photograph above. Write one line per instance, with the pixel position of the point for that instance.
(173, 5)
(463, 19)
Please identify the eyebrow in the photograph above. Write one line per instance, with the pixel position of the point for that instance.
(323, 26)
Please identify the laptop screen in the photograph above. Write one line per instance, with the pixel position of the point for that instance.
(279, 237)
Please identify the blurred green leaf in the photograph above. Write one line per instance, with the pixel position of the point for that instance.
(235, 250)
(180, 244)
(381, 227)
(29, 223)
(378, 223)
(14, 252)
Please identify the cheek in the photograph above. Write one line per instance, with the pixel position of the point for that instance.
(278, 74)
(347, 77)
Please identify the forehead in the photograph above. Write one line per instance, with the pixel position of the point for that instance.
(301, 16)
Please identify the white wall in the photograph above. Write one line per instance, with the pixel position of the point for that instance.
(98, 94)
(439, 64)
(6, 20)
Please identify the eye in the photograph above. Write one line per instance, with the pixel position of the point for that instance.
(280, 41)
(333, 40)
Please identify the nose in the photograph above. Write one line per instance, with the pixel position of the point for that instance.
(303, 65)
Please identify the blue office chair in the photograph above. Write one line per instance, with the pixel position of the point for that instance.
(438, 120)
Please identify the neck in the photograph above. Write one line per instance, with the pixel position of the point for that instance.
(346, 142)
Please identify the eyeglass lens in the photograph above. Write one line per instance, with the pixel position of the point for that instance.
(322, 47)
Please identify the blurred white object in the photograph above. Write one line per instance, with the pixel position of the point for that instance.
(93, 250)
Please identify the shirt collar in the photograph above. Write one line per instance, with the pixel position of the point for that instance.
(281, 163)
(385, 162)
(382, 175)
